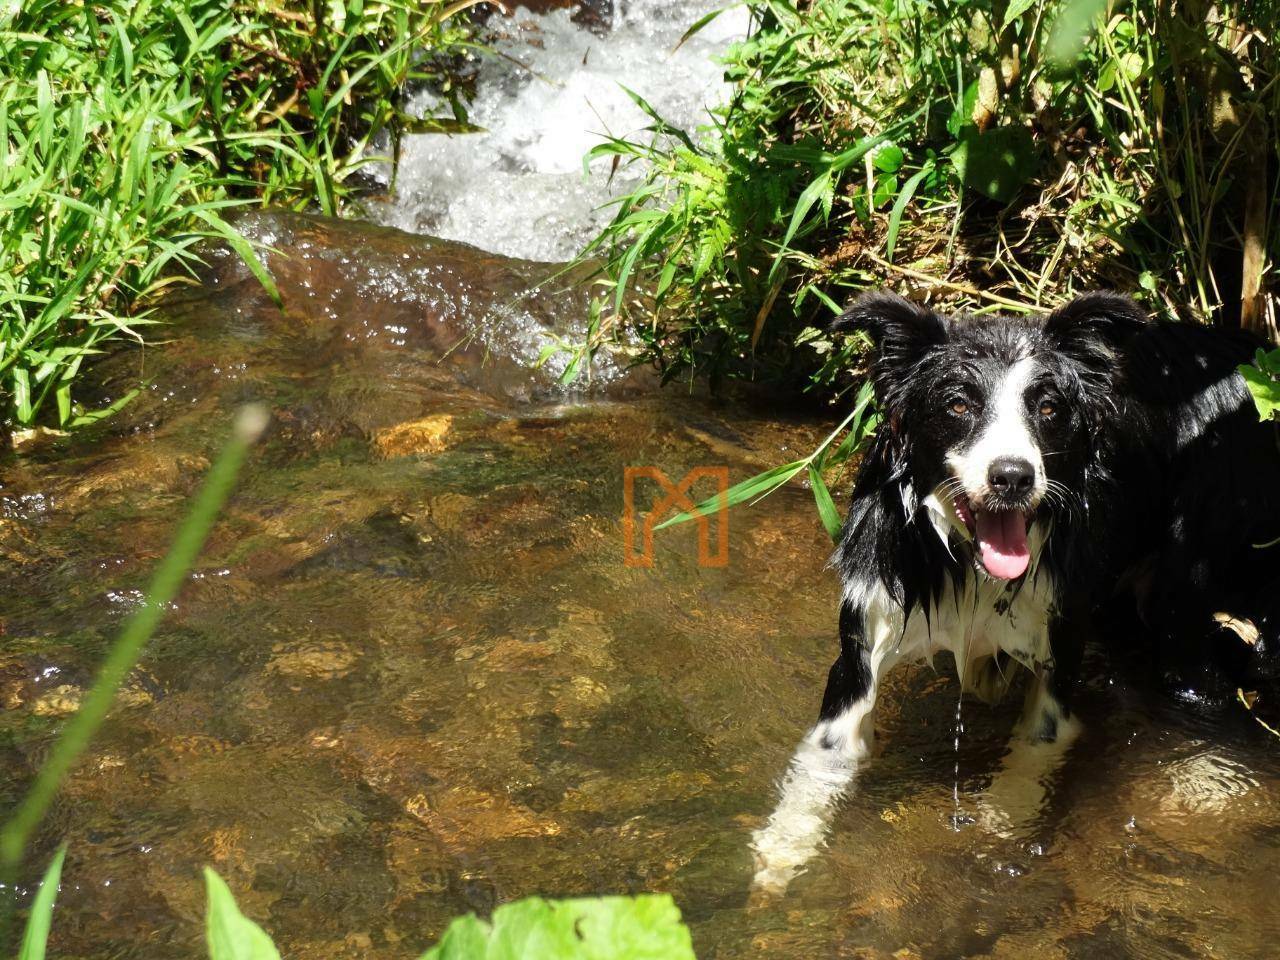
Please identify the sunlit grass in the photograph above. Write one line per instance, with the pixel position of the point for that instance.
(128, 130)
(1001, 154)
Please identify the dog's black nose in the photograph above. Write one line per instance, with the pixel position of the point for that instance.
(1011, 477)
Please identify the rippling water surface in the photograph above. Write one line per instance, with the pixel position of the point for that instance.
(557, 86)
(413, 677)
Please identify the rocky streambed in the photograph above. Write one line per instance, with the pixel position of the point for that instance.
(412, 675)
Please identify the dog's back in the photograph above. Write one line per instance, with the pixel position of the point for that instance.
(1197, 499)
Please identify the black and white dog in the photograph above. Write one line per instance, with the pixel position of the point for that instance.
(1027, 471)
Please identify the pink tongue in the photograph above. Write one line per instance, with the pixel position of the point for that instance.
(1002, 540)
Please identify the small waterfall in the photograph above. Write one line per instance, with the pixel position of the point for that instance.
(547, 94)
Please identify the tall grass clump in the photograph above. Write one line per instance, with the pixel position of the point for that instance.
(129, 127)
(998, 154)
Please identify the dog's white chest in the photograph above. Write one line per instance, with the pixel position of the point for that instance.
(982, 619)
(974, 623)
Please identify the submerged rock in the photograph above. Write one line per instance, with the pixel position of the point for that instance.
(61, 701)
(353, 289)
(314, 660)
(425, 435)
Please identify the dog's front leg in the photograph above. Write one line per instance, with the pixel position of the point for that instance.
(827, 761)
(1013, 802)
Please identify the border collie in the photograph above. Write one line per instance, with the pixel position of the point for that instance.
(1028, 470)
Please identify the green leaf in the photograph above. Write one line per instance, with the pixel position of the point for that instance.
(996, 163)
(886, 187)
(63, 396)
(37, 933)
(230, 934)
(647, 927)
(93, 416)
(826, 506)
(899, 208)
(861, 426)
(697, 27)
(757, 487)
(237, 241)
(821, 185)
(1015, 10)
(570, 371)
(889, 158)
(962, 114)
(466, 937)
(1264, 389)
(1070, 31)
(22, 396)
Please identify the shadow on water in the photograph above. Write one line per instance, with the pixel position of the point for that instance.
(413, 677)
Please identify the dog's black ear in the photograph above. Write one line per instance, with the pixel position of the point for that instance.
(900, 330)
(1095, 326)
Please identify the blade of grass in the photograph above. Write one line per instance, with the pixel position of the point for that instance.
(826, 506)
(36, 937)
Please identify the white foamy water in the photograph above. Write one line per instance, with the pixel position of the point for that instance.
(519, 188)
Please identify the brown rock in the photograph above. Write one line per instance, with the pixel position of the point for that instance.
(426, 435)
(313, 660)
(463, 816)
(58, 702)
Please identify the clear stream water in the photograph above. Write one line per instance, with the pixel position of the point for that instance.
(413, 677)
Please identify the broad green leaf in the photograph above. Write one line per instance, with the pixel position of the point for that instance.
(996, 163)
(229, 933)
(647, 927)
(37, 933)
(1264, 389)
(962, 113)
(826, 506)
(63, 396)
(889, 158)
(466, 937)
(1070, 30)
(1015, 10)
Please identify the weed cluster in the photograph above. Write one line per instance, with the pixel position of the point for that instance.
(127, 129)
(990, 155)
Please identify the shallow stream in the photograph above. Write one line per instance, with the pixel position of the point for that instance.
(412, 675)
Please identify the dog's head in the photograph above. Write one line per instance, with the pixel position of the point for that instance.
(993, 421)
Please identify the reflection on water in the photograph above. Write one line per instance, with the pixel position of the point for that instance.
(412, 677)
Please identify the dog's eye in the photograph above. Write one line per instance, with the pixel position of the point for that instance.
(1048, 408)
(959, 407)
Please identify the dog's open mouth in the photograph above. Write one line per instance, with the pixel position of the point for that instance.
(1001, 536)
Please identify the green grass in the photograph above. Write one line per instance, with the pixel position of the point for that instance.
(986, 155)
(128, 130)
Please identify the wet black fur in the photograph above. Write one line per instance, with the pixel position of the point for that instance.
(1172, 479)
